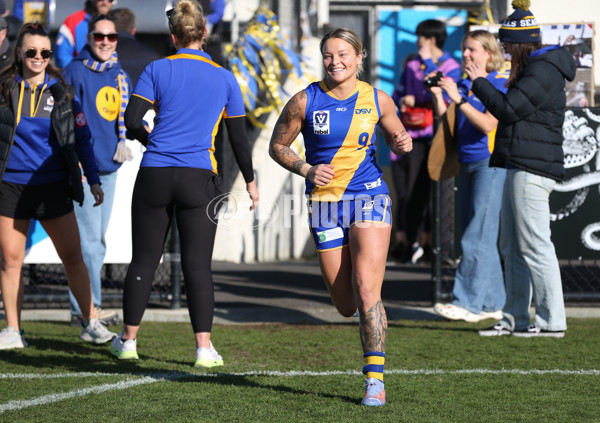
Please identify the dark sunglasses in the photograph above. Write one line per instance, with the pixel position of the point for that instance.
(31, 53)
(98, 36)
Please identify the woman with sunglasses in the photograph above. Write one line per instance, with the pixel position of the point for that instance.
(104, 89)
(71, 37)
(178, 175)
(43, 138)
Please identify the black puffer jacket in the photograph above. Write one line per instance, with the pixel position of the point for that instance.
(531, 114)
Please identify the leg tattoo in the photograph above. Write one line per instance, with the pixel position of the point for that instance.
(373, 328)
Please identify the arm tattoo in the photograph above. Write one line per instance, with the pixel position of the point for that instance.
(373, 328)
(285, 132)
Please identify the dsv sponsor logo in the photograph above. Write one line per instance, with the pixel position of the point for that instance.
(362, 111)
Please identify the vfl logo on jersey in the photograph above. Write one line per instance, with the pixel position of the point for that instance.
(365, 116)
(80, 120)
(321, 122)
(49, 104)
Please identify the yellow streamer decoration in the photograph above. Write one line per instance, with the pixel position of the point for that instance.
(260, 60)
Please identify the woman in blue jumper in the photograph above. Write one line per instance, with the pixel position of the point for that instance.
(43, 137)
(104, 88)
(478, 285)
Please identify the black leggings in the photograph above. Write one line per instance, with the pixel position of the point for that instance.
(158, 193)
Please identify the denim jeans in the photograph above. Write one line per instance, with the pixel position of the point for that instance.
(93, 223)
(478, 284)
(530, 264)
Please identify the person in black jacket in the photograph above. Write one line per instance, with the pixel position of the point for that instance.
(43, 137)
(529, 145)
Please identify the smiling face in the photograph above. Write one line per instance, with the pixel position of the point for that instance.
(474, 53)
(34, 67)
(340, 60)
(104, 48)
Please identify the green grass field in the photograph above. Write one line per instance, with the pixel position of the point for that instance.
(435, 372)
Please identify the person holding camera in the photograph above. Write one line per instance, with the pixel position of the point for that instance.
(478, 284)
(411, 180)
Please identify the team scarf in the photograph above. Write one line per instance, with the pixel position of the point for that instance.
(123, 152)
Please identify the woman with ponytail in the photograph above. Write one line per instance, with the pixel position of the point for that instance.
(178, 174)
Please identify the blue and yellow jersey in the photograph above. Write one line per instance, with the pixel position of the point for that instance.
(191, 94)
(341, 132)
(474, 145)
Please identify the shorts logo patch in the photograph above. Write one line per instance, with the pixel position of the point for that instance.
(330, 234)
(80, 120)
(321, 122)
(368, 206)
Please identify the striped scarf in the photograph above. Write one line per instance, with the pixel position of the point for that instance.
(122, 152)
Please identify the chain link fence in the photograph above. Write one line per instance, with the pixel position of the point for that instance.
(580, 277)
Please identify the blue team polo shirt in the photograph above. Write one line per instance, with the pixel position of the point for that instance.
(474, 145)
(191, 94)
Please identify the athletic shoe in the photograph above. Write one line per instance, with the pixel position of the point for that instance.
(96, 332)
(416, 253)
(374, 393)
(497, 330)
(496, 315)
(10, 339)
(533, 331)
(111, 318)
(208, 357)
(124, 350)
(454, 312)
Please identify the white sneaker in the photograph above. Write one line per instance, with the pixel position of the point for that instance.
(96, 332)
(10, 339)
(533, 331)
(497, 330)
(454, 312)
(111, 318)
(208, 357)
(124, 350)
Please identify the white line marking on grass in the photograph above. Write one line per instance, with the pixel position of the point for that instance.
(48, 399)
(55, 376)
(157, 377)
(592, 372)
(291, 373)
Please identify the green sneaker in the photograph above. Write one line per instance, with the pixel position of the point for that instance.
(124, 350)
(208, 357)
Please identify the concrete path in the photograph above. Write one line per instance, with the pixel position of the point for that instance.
(294, 292)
